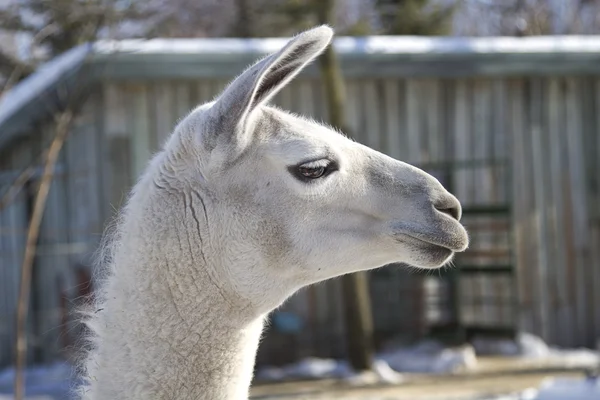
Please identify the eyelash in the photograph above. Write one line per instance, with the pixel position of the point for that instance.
(328, 167)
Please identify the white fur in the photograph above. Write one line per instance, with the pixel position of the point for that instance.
(219, 231)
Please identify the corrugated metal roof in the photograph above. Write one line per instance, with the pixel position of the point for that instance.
(362, 56)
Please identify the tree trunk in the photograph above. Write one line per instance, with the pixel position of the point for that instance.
(244, 25)
(357, 302)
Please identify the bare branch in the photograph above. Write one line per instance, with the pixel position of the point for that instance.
(16, 186)
(12, 20)
(18, 73)
(9, 64)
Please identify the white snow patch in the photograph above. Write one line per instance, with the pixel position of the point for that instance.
(360, 45)
(431, 357)
(35, 84)
(308, 368)
(569, 389)
(44, 382)
(388, 366)
(385, 373)
(532, 348)
(381, 372)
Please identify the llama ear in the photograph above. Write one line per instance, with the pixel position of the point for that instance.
(259, 83)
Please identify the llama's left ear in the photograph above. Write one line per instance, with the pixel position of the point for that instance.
(258, 84)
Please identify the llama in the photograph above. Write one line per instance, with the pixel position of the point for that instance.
(244, 205)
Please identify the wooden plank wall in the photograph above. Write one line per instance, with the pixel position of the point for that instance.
(553, 126)
(546, 129)
(69, 234)
(13, 225)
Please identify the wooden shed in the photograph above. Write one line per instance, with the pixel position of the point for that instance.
(511, 125)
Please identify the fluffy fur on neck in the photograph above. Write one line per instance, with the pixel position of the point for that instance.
(168, 323)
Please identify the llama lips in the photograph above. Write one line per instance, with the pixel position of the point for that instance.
(425, 254)
(454, 239)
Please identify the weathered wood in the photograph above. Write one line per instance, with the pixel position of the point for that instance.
(305, 104)
(578, 203)
(204, 91)
(139, 128)
(539, 203)
(519, 201)
(413, 123)
(462, 146)
(371, 110)
(183, 102)
(394, 116)
(62, 129)
(547, 130)
(556, 132)
(595, 210)
(117, 136)
(13, 228)
(161, 101)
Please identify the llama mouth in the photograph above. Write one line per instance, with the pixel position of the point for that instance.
(440, 242)
(429, 244)
(426, 254)
(450, 242)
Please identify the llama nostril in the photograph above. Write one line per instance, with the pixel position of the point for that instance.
(452, 211)
(450, 206)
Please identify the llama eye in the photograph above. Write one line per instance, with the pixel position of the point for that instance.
(312, 172)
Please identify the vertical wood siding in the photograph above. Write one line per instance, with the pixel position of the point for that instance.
(547, 129)
(544, 128)
(69, 234)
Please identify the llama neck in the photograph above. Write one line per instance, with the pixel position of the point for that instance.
(163, 355)
(166, 329)
(194, 348)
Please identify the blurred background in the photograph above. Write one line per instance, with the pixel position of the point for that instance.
(499, 99)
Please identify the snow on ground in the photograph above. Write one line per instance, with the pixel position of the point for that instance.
(560, 389)
(532, 348)
(433, 358)
(425, 357)
(49, 382)
(53, 382)
(430, 357)
(570, 389)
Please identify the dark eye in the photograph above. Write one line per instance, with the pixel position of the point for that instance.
(312, 172)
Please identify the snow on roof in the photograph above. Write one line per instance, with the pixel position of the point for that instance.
(36, 84)
(362, 45)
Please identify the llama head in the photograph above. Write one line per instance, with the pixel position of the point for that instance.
(297, 202)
